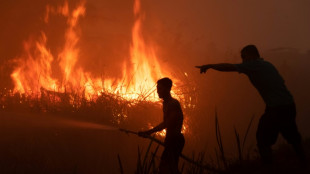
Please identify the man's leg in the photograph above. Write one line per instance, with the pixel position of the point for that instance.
(170, 157)
(164, 162)
(169, 162)
(290, 132)
(179, 144)
(266, 136)
(293, 137)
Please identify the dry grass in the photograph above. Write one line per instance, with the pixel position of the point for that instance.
(285, 159)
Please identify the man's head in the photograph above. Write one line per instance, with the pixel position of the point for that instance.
(163, 87)
(249, 52)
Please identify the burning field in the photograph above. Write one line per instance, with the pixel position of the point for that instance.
(39, 72)
(75, 73)
(61, 118)
(49, 82)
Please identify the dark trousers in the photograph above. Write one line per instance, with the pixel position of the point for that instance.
(170, 156)
(277, 120)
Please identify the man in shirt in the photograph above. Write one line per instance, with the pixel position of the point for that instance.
(172, 122)
(280, 112)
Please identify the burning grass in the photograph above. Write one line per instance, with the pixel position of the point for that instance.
(133, 114)
(38, 71)
(53, 82)
(106, 107)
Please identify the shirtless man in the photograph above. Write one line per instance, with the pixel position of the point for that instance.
(172, 122)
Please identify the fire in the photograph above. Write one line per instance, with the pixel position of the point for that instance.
(34, 67)
(34, 71)
(143, 58)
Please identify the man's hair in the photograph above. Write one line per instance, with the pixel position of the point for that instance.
(166, 82)
(251, 50)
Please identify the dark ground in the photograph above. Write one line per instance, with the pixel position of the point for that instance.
(40, 143)
(43, 144)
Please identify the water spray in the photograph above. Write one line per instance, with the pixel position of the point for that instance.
(89, 125)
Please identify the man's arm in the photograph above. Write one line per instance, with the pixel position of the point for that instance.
(169, 120)
(226, 67)
(157, 128)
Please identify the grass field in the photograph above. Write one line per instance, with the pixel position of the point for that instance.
(42, 143)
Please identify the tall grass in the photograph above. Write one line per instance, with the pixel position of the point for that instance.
(219, 142)
(111, 104)
(145, 165)
(241, 145)
(197, 164)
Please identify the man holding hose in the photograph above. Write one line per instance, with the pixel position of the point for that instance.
(280, 112)
(172, 122)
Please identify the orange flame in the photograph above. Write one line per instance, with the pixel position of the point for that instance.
(34, 71)
(34, 67)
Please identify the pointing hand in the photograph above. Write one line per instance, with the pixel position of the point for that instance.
(203, 68)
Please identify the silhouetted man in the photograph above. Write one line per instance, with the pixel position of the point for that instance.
(172, 122)
(280, 112)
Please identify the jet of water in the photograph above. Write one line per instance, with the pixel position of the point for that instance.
(86, 125)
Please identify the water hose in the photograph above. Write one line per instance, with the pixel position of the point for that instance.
(206, 167)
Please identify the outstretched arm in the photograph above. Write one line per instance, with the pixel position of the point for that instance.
(226, 67)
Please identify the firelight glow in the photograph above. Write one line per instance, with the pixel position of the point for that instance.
(33, 73)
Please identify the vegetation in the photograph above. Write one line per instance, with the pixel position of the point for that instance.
(285, 159)
(114, 110)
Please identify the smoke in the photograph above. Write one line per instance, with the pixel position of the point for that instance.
(184, 34)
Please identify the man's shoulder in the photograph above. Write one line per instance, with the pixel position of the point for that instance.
(173, 102)
(173, 106)
(265, 65)
(253, 65)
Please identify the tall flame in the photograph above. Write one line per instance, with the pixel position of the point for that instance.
(34, 70)
(146, 68)
(34, 73)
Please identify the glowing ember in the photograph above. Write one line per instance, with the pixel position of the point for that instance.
(34, 68)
